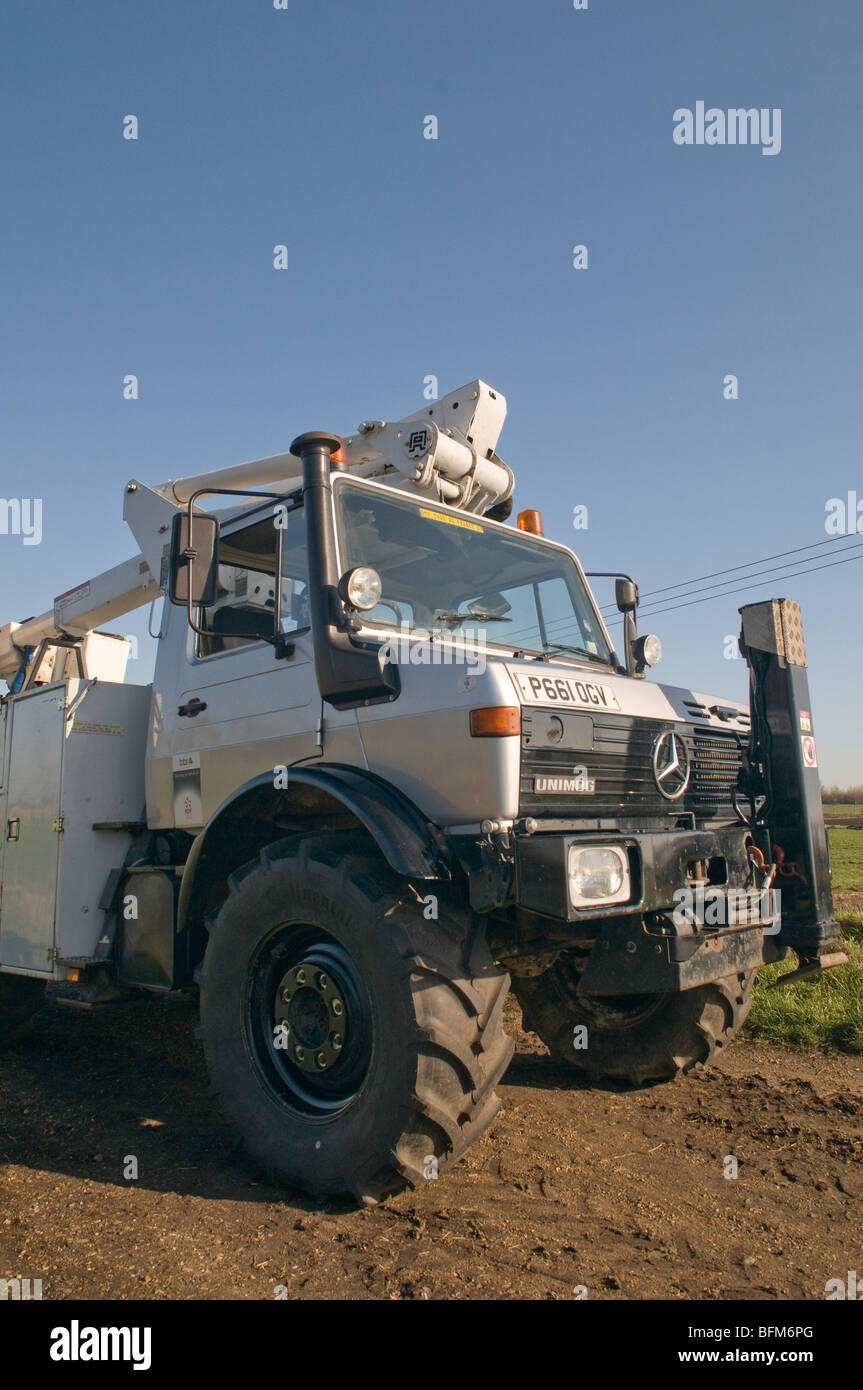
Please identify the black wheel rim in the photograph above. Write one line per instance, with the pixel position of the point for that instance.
(309, 1021)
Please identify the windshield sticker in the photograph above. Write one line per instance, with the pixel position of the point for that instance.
(564, 690)
(450, 520)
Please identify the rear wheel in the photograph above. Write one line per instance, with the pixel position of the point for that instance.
(21, 997)
(350, 1042)
(639, 1038)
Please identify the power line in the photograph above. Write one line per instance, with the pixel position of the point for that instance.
(790, 572)
(732, 569)
(742, 588)
(690, 601)
(763, 574)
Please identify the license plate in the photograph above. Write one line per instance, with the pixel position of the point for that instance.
(564, 690)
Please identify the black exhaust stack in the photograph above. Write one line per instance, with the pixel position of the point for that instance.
(788, 828)
(348, 673)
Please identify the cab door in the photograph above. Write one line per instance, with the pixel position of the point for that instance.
(243, 709)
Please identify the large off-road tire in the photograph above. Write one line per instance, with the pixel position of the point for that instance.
(384, 1071)
(639, 1039)
(21, 997)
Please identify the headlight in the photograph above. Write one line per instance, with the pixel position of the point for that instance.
(647, 650)
(361, 588)
(598, 874)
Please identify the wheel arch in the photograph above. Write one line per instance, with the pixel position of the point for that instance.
(317, 797)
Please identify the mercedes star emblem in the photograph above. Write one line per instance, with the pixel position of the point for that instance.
(670, 765)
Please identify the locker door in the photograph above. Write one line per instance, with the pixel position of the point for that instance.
(32, 841)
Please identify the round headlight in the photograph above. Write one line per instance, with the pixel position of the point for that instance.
(648, 650)
(361, 588)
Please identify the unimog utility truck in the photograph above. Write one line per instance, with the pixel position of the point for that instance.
(392, 766)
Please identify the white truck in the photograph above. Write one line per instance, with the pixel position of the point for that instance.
(391, 766)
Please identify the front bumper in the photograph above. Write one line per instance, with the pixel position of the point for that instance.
(630, 959)
(642, 945)
(661, 862)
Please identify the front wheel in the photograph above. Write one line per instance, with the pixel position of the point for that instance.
(637, 1038)
(350, 1041)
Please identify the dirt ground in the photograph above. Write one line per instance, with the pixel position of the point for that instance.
(620, 1192)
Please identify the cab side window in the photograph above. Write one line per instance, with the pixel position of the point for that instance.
(244, 611)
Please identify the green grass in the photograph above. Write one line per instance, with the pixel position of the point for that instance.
(840, 808)
(846, 859)
(825, 1014)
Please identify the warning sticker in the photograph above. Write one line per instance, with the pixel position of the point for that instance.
(450, 520)
(805, 721)
(809, 757)
(71, 596)
(188, 806)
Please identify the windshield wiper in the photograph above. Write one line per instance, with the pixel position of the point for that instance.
(575, 651)
(463, 617)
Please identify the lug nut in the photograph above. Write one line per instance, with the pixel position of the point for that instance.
(322, 982)
(286, 995)
(338, 1007)
(301, 977)
(336, 1040)
(321, 1060)
(299, 1054)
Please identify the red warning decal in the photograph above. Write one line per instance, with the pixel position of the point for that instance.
(805, 721)
(809, 757)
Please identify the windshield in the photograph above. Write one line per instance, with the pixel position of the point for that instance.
(444, 573)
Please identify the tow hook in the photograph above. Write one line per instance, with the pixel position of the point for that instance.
(810, 966)
(763, 871)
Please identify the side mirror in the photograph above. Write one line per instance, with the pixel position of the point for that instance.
(626, 595)
(194, 563)
(493, 603)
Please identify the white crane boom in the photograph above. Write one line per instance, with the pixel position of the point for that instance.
(447, 449)
(79, 611)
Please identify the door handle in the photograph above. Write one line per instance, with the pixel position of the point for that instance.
(192, 708)
(13, 829)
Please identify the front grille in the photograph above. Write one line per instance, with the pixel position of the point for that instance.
(618, 759)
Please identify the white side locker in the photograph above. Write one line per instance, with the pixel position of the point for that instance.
(76, 759)
(31, 830)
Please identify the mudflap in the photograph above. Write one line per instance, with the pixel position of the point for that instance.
(627, 959)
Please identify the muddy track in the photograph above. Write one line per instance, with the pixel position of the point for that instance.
(621, 1192)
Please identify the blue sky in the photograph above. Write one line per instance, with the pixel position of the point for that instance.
(452, 257)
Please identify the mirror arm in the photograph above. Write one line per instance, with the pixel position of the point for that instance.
(628, 609)
(630, 635)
